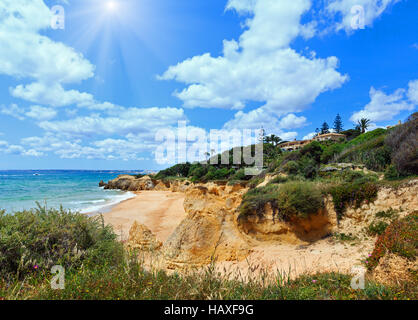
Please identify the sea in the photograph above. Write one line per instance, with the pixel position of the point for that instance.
(76, 190)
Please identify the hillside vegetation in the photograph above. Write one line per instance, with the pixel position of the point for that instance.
(351, 171)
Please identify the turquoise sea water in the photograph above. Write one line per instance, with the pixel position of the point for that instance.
(75, 190)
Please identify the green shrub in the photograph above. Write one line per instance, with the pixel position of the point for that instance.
(280, 179)
(313, 150)
(377, 228)
(330, 151)
(298, 199)
(368, 136)
(391, 173)
(240, 176)
(308, 167)
(390, 213)
(292, 199)
(41, 238)
(291, 167)
(352, 193)
(369, 149)
(344, 237)
(255, 200)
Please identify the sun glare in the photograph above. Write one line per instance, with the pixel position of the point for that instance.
(111, 6)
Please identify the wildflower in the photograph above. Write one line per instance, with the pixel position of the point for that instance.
(314, 281)
(36, 267)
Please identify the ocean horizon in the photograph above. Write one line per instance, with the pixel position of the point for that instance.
(76, 190)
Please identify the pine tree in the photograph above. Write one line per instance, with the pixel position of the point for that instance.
(338, 124)
(325, 128)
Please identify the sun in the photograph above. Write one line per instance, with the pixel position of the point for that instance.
(111, 6)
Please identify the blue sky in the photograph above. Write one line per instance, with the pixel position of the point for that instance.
(94, 94)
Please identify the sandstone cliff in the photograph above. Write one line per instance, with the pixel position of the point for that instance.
(212, 231)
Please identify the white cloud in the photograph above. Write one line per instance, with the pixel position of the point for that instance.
(241, 6)
(125, 121)
(413, 91)
(50, 65)
(383, 106)
(309, 136)
(261, 118)
(14, 111)
(53, 95)
(6, 148)
(26, 53)
(372, 10)
(292, 122)
(261, 66)
(41, 113)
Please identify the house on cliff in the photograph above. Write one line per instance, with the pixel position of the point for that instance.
(299, 144)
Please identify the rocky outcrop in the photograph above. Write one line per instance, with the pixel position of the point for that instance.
(403, 199)
(140, 237)
(130, 183)
(267, 227)
(209, 232)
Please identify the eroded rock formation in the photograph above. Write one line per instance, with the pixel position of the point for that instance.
(209, 232)
(140, 237)
(131, 183)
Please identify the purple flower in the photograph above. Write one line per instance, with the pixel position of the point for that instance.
(35, 266)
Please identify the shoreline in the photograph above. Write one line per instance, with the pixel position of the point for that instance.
(160, 211)
(109, 206)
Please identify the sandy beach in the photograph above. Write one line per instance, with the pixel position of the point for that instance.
(160, 211)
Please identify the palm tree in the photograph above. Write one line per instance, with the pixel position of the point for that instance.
(267, 139)
(363, 124)
(275, 139)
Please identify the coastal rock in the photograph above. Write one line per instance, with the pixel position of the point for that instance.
(131, 183)
(209, 232)
(267, 227)
(140, 237)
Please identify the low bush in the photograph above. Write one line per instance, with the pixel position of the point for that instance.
(400, 238)
(41, 238)
(390, 213)
(403, 143)
(255, 200)
(298, 199)
(292, 199)
(377, 228)
(391, 173)
(291, 167)
(352, 193)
